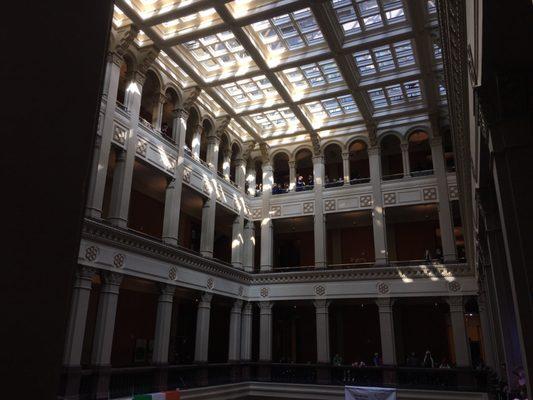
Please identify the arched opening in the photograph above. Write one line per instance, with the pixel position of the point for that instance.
(235, 155)
(447, 147)
(206, 131)
(391, 158)
(334, 174)
(123, 79)
(223, 151)
(281, 173)
(359, 166)
(420, 162)
(149, 99)
(168, 113)
(304, 170)
(192, 123)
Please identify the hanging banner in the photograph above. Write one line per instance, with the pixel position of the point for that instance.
(368, 393)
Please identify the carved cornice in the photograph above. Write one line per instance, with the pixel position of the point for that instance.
(126, 38)
(189, 97)
(221, 124)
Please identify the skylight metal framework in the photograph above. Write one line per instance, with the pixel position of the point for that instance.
(287, 68)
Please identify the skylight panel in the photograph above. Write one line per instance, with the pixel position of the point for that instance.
(335, 107)
(250, 90)
(314, 75)
(218, 51)
(281, 118)
(292, 31)
(431, 6)
(385, 58)
(395, 94)
(356, 16)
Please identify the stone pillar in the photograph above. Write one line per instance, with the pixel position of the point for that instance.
(405, 160)
(237, 242)
(246, 332)
(449, 251)
(378, 211)
(346, 167)
(122, 178)
(159, 101)
(489, 350)
(249, 246)
(226, 164)
(250, 178)
(266, 222)
(234, 352)
(95, 195)
(386, 327)
(171, 218)
(265, 331)
(201, 345)
(78, 316)
(105, 319)
(163, 323)
(322, 332)
(196, 141)
(319, 219)
(208, 225)
(213, 144)
(240, 173)
(460, 340)
(292, 175)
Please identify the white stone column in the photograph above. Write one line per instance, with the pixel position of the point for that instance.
(171, 218)
(240, 173)
(319, 218)
(386, 328)
(460, 340)
(322, 331)
(226, 164)
(208, 225)
(405, 160)
(201, 346)
(250, 178)
(346, 167)
(246, 332)
(292, 175)
(105, 319)
(237, 241)
(196, 141)
(95, 195)
(163, 323)
(249, 246)
(213, 147)
(265, 331)
(78, 316)
(266, 222)
(122, 178)
(234, 348)
(378, 211)
(159, 101)
(449, 251)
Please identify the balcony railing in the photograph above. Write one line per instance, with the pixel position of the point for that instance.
(357, 181)
(424, 172)
(125, 382)
(392, 177)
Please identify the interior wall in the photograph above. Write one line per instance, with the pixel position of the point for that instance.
(219, 332)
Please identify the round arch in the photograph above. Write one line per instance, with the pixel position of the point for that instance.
(420, 161)
(391, 156)
(359, 162)
(150, 97)
(333, 165)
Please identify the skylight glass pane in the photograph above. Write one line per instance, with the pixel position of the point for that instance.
(313, 75)
(385, 58)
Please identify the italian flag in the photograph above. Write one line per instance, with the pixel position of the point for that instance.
(170, 395)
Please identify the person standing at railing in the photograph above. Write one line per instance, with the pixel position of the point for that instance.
(428, 360)
(376, 360)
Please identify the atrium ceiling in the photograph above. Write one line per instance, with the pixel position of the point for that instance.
(291, 71)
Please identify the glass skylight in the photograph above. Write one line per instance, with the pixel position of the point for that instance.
(331, 108)
(250, 90)
(312, 75)
(395, 94)
(282, 118)
(189, 23)
(356, 16)
(218, 51)
(431, 6)
(385, 58)
(291, 31)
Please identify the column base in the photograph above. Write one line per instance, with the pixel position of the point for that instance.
(118, 222)
(449, 258)
(264, 372)
(100, 383)
(265, 268)
(321, 265)
(161, 378)
(70, 383)
(170, 241)
(382, 262)
(248, 269)
(237, 265)
(206, 253)
(93, 213)
(323, 374)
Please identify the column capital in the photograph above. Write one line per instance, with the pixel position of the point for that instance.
(206, 298)
(404, 146)
(111, 278)
(435, 141)
(322, 304)
(292, 163)
(181, 113)
(239, 162)
(247, 309)
(166, 289)
(237, 306)
(385, 303)
(84, 272)
(345, 156)
(318, 159)
(456, 304)
(265, 306)
(374, 151)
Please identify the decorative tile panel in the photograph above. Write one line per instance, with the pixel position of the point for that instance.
(383, 288)
(275, 211)
(187, 175)
(454, 286)
(119, 260)
(172, 273)
(309, 207)
(91, 253)
(453, 192)
(389, 198)
(119, 134)
(142, 147)
(430, 193)
(264, 292)
(365, 201)
(210, 284)
(320, 290)
(256, 213)
(330, 205)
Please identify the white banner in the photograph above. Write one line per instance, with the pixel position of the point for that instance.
(368, 393)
